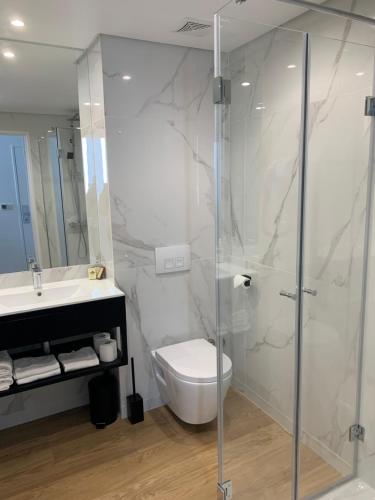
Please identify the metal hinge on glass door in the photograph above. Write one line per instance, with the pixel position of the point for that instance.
(224, 491)
(370, 106)
(221, 90)
(356, 433)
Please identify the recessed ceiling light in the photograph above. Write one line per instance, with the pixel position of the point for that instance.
(50, 131)
(87, 103)
(291, 66)
(17, 23)
(260, 106)
(127, 77)
(78, 128)
(245, 84)
(9, 54)
(360, 73)
(96, 103)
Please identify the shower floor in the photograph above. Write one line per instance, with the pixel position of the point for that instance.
(355, 490)
(64, 456)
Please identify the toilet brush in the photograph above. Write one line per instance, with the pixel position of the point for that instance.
(134, 402)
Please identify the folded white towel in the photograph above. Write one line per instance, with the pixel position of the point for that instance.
(30, 367)
(39, 376)
(5, 383)
(6, 380)
(6, 362)
(83, 358)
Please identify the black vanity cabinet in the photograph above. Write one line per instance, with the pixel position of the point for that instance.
(67, 328)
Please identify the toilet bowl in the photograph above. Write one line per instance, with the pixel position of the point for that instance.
(187, 378)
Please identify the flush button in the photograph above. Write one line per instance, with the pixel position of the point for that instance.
(169, 264)
(180, 262)
(172, 259)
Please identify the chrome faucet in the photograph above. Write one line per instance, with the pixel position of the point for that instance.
(36, 273)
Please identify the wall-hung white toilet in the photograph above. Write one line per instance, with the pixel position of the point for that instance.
(187, 379)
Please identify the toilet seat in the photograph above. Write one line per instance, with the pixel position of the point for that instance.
(193, 361)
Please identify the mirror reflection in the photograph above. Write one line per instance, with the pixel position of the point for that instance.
(42, 194)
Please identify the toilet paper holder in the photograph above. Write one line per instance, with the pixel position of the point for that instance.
(243, 280)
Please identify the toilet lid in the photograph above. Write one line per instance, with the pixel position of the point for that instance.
(193, 361)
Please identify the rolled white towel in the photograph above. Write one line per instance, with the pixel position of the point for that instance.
(33, 366)
(39, 376)
(76, 360)
(6, 362)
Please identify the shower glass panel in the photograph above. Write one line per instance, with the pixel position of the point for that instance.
(258, 153)
(341, 76)
(292, 157)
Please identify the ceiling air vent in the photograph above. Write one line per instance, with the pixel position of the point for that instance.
(194, 27)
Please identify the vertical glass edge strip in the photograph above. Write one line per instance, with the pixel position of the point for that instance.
(217, 173)
(299, 267)
(366, 256)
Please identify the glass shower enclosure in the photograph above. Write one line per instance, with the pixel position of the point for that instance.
(293, 156)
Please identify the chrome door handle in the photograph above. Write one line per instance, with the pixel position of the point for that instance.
(289, 295)
(293, 296)
(310, 291)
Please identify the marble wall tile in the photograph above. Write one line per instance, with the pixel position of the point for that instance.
(159, 135)
(42, 402)
(83, 76)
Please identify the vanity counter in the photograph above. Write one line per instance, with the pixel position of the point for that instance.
(25, 299)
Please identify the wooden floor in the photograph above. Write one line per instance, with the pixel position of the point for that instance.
(65, 457)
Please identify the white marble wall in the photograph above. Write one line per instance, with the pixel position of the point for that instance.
(92, 122)
(260, 223)
(159, 144)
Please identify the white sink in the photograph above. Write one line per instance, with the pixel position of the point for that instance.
(32, 298)
(22, 299)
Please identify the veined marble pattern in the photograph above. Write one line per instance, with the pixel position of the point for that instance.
(260, 214)
(41, 402)
(159, 136)
(88, 157)
(100, 156)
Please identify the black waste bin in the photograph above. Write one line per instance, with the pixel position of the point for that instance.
(104, 400)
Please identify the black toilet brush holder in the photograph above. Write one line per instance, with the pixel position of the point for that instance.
(134, 402)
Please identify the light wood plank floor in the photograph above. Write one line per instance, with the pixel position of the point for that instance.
(65, 457)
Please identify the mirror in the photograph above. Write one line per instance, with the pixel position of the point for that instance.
(42, 178)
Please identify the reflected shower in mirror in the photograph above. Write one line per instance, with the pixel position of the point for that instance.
(42, 188)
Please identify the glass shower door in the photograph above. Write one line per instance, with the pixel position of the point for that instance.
(337, 165)
(258, 159)
(292, 160)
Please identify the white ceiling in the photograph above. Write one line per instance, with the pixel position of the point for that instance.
(75, 23)
(42, 80)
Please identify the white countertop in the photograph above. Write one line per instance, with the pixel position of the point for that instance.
(25, 299)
